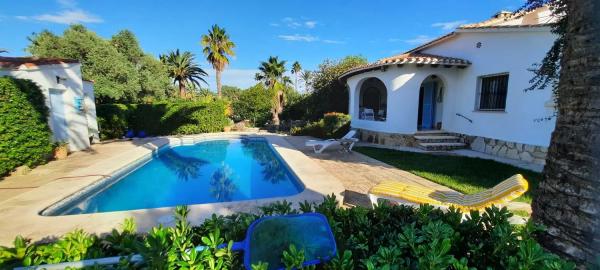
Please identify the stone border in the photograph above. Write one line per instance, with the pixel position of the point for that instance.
(20, 215)
(519, 151)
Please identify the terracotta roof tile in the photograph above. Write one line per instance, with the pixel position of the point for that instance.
(408, 58)
(15, 62)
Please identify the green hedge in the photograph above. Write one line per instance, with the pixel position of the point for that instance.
(176, 118)
(387, 237)
(25, 137)
(332, 125)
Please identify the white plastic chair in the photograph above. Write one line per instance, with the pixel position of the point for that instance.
(347, 141)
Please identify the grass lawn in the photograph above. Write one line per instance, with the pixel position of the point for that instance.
(464, 174)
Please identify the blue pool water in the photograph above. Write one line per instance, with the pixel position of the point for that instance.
(207, 172)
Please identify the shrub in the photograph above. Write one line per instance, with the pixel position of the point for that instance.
(174, 118)
(387, 237)
(332, 125)
(253, 104)
(25, 137)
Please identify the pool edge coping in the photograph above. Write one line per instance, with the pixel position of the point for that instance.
(20, 215)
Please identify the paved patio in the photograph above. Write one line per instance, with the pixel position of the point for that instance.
(359, 173)
(14, 185)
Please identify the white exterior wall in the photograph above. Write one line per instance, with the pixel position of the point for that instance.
(513, 51)
(45, 77)
(90, 110)
(402, 85)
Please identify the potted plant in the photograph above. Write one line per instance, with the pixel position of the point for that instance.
(61, 150)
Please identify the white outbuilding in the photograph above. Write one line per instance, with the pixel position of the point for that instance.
(69, 98)
(464, 89)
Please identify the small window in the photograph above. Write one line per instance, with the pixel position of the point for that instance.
(492, 92)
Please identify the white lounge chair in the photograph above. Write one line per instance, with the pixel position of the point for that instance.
(347, 142)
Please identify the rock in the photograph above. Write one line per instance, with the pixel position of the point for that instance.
(512, 154)
(541, 161)
(529, 148)
(544, 149)
(519, 147)
(492, 142)
(525, 156)
(539, 154)
(510, 145)
(478, 145)
(502, 151)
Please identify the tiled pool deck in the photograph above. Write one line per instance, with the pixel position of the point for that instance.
(19, 214)
(348, 175)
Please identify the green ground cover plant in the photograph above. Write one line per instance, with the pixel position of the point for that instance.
(386, 237)
(25, 137)
(464, 174)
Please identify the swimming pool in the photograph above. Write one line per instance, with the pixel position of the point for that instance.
(206, 172)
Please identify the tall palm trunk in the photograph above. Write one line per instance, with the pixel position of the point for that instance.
(181, 89)
(277, 109)
(567, 201)
(218, 76)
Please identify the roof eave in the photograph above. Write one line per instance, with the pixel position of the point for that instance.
(379, 66)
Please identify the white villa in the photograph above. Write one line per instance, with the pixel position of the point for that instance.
(464, 89)
(69, 98)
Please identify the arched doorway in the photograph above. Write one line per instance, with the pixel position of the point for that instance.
(372, 100)
(431, 98)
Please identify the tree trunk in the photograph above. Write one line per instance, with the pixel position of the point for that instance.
(277, 109)
(181, 89)
(567, 201)
(218, 73)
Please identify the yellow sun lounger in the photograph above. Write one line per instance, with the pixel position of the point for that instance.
(503, 192)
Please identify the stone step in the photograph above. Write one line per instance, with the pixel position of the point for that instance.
(443, 146)
(436, 138)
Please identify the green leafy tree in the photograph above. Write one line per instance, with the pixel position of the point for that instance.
(183, 69)
(296, 69)
(120, 69)
(217, 49)
(306, 77)
(231, 93)
(328, 93)
(272, 74)
(253, 104)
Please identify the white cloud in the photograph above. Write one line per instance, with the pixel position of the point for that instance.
(420, 39)
(69, 15)
(310, 24)
(296, 23)
(449, 25)
(332, 41)
(298, 37)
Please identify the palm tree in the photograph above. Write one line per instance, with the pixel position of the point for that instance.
(217, 48)
(272, 75)
(306, 76)
(566, 201)
(296, 68)
(183, 69)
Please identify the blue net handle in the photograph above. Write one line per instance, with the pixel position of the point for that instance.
(237, 246)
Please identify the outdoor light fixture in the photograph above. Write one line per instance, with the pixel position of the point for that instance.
(60, 79)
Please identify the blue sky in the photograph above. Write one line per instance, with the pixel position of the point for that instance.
(308, 31)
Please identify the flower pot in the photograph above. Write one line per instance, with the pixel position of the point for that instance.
(61, 152)
(227, 129)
